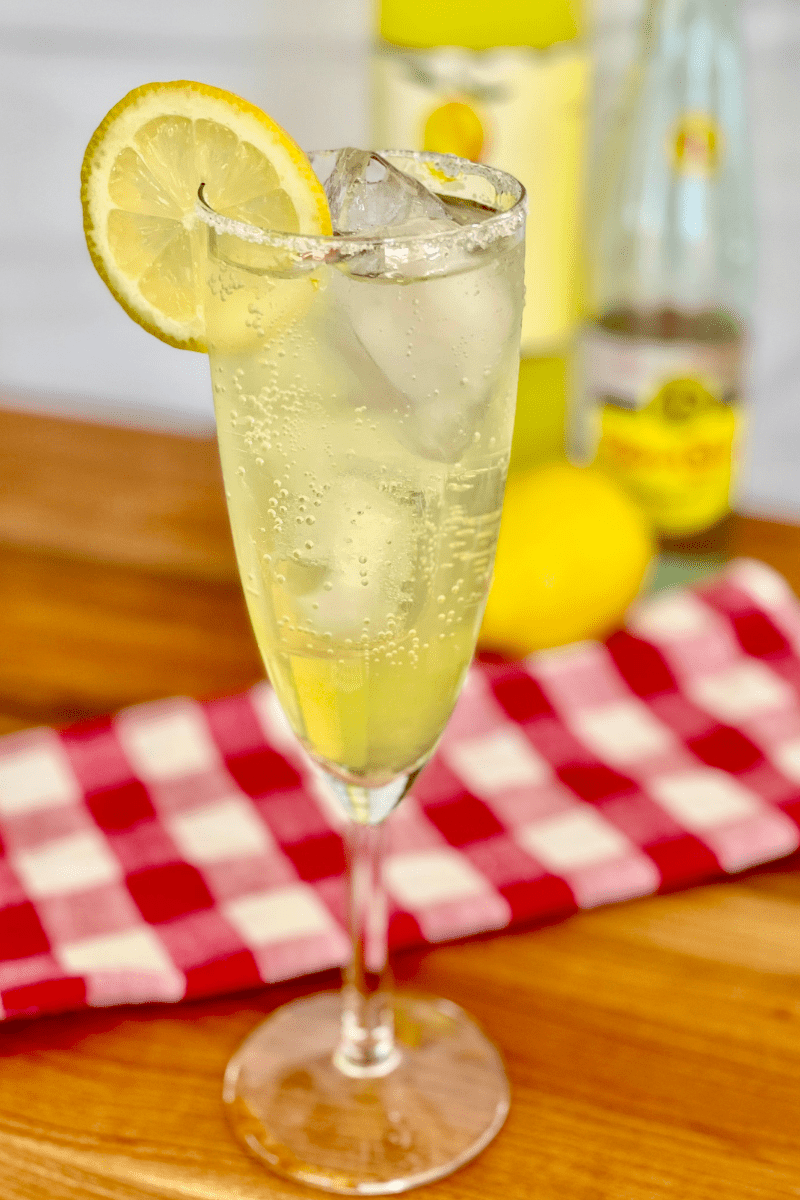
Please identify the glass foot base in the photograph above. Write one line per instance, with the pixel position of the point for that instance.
(299, 1114)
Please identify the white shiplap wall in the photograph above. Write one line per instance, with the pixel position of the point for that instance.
(64, 344)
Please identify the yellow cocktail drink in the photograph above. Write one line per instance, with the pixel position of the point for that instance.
(362, 319)
(364, 428)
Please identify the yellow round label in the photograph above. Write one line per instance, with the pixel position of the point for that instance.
(674, 456)
(455, 128)
(696, 144)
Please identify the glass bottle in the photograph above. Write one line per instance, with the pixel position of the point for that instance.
(503, 83)
(659, 371)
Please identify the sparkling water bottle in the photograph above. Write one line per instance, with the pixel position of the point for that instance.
(659, 371)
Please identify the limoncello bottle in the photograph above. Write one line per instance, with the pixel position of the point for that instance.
(503, 82)
(659, 382)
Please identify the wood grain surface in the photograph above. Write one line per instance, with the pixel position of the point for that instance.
(653, 1047)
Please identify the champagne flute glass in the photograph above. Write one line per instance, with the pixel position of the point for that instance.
(364, 387)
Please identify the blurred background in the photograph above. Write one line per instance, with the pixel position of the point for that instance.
(66, 348)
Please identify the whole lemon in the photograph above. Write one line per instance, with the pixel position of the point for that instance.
(573, 552)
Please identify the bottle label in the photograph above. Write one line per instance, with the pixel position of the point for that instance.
(522, 110)
(695, 145)
(664, 419)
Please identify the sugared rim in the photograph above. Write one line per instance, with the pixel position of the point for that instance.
(327, 248)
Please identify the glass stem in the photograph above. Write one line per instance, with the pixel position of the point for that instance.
(367, 1046)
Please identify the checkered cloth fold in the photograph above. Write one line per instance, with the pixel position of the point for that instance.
(181, 849)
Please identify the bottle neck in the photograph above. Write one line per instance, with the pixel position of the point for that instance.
(663, 18)
(674, 213)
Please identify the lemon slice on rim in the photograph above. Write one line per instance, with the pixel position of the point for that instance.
(139, 182)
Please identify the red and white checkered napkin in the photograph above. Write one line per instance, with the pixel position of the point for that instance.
(181, 849)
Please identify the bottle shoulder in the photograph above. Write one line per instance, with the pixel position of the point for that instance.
(671, 215)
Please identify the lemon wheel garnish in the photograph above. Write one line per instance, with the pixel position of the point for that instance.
(139, 182)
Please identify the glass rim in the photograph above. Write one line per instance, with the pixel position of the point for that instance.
(327, 247)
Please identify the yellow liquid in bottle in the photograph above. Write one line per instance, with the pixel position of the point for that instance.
(513, 94)
(478, 25)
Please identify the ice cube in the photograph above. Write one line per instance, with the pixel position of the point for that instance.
(367, 194)
(370, 542)
(440, 345)
(428, 349)
(434, 429)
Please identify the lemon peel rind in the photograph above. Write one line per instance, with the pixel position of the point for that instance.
(183, 101)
